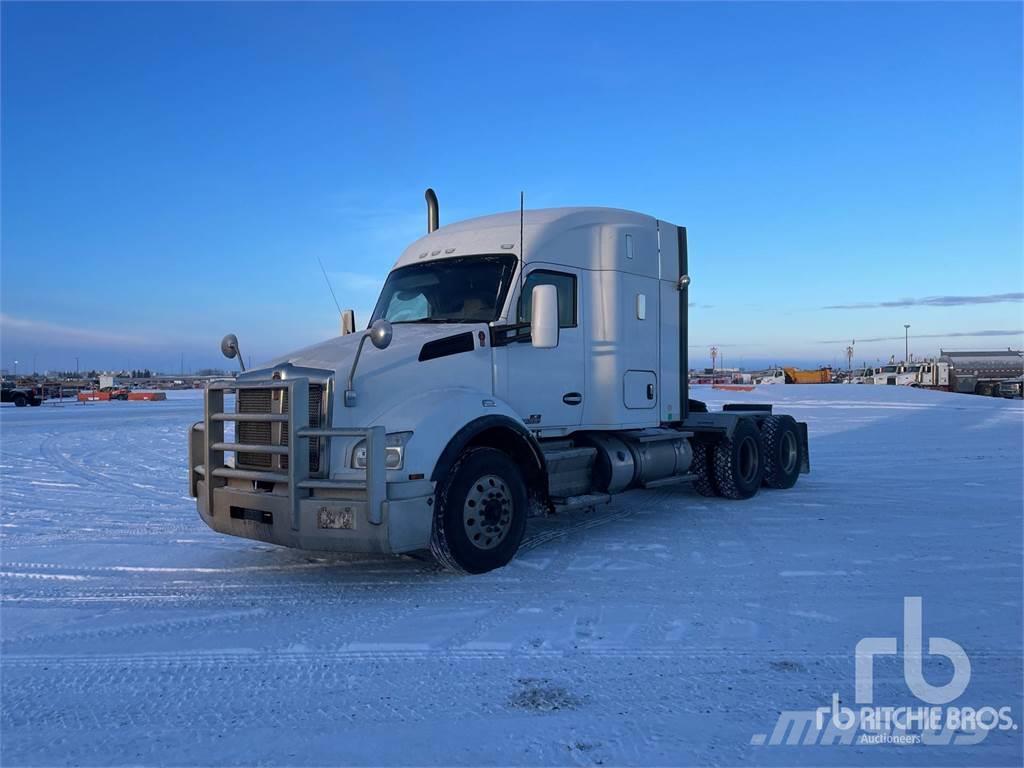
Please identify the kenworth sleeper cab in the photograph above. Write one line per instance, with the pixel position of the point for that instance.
(496, 384)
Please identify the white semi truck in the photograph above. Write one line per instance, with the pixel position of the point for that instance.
(515, 364)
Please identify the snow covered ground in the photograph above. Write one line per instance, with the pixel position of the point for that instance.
(663, 629)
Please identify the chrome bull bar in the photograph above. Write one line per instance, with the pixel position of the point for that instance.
(207, 448)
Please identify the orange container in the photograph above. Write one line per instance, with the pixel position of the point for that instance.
(93, 396)
(147, 395)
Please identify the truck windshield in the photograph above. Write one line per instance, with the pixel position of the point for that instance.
(461, 289)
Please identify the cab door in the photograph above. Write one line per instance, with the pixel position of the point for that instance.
(546, 386)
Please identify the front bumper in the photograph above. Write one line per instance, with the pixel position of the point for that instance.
(291, 508)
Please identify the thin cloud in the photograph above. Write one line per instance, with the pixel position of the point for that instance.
(40, 334)
(930, 336)
(935, 301)
(357, 282)
(36, 330)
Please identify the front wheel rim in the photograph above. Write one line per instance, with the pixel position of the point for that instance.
(487, 512)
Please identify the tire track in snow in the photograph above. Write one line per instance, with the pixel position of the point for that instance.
(166, 570)
(52, 576)
(644, 502)
(543, 537)
(414, 652)
(382, 654)
(136, 629)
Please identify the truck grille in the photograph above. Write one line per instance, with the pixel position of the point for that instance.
(267, 433)
(315, 409)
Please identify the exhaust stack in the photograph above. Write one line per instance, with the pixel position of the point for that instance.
(432, 210)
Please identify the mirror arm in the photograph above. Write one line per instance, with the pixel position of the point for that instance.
(350, 393)
(510, 333)
(379, 333)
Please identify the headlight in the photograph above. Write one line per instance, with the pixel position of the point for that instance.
(394, 451)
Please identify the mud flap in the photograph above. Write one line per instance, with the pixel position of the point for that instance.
(761, 408)
(805, 462)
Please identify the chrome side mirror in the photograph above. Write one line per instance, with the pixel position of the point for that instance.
(544, 320)
(229, 348)
(380, 333)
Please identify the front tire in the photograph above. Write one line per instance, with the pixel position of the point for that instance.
(739, 462)
(480, 512)
(20, 401)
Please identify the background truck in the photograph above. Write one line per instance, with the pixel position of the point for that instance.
(981, 372)
(520, 363)
(819, 376)
(901, 374)
(20, 395)
(932, 374)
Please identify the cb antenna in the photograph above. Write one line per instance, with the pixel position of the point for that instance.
(522, 250)
(328, 281)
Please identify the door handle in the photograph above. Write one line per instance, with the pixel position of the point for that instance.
(572, 398)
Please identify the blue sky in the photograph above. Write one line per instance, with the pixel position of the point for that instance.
(171, 172)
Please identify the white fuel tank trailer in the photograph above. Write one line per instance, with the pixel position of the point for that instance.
(515, 364)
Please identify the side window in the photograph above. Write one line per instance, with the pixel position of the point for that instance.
(565, 285)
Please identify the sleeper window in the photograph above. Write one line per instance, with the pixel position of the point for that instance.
(564, 284)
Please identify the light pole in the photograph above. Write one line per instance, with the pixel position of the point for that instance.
(714, 354)
(906, 342)
(15, 369)
(76, 366)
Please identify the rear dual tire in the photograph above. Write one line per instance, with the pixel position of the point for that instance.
(738, 466)
(783, 452)
(703, 470)
(732, 467)
(738, 462)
